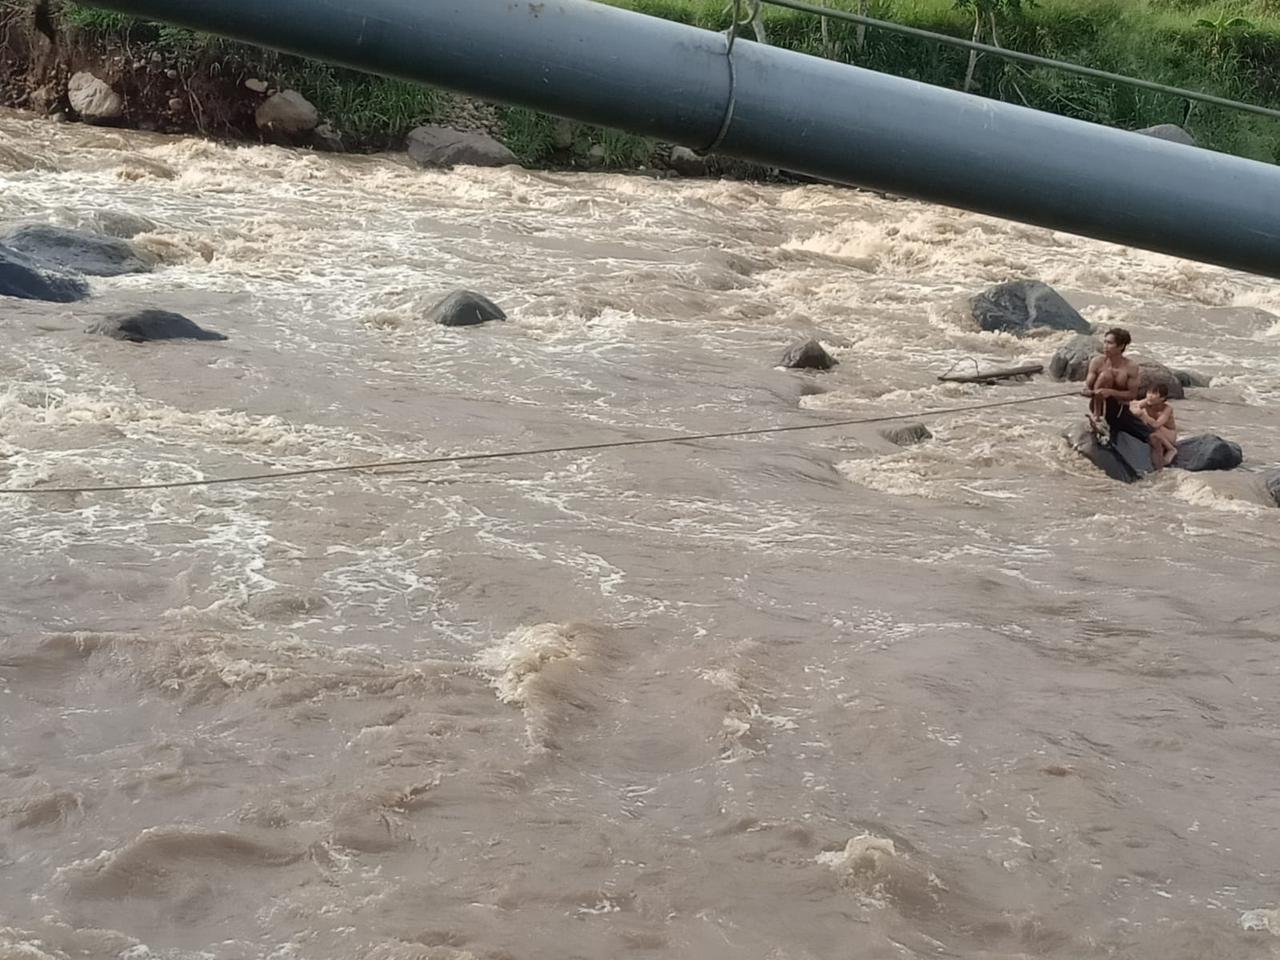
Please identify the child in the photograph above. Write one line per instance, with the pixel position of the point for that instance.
(1156, 412)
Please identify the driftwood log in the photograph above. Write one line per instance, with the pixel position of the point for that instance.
(991, 376)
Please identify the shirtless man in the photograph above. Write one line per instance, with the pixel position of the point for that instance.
(1112, 384)
(1157, 413)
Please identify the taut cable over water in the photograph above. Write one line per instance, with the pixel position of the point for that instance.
(532, 452)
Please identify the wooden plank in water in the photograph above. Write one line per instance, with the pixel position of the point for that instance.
(990, 376)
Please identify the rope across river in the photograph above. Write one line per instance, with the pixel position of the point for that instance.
(276, 475)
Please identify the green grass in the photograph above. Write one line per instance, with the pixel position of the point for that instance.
(368, 110)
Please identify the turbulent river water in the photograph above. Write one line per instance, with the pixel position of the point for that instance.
(807, 695)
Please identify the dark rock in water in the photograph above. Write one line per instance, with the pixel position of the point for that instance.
(1208, 452)
(1022, 306)
(1107, 459)
(22, 277)
(141, 326)
(1071, 360)
(463, 308)
(1169, 131)
(75, 250)
(1273, 487)
(1189, 378)
(807, 355)
(1150, 373)
(907, 435)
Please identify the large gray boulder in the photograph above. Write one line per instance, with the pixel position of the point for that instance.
(75, 250)
(807, 355)
(1169, 131)
(142, 326)
(1071, 360)
(93, 99)
(1208, 452)
(1273, 487)
(464, 308)
(286, 114)
(1021, 307)
(22, 277)
(435, 146)
(1150, 373)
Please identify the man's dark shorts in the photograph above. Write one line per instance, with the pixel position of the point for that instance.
(1121, 420)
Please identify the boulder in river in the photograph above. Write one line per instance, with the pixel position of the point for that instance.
(1109, 460)
(142, 326)
(464, 308)
(807, 355)
(1071, 360)
(907, 435)
(1208, 452)
(22, 277)
(1022, 307)
(1151, 373)
(436, 146)
(1273, 487)
(75, 251)
(1129, 458)
(1189, 378)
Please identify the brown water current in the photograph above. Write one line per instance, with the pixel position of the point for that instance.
(789, 697)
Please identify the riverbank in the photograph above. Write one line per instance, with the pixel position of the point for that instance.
(173, 80)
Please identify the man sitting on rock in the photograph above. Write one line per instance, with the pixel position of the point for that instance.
(1112, 384)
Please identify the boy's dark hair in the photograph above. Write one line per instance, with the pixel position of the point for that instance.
(1121, 336)
(1159, 389)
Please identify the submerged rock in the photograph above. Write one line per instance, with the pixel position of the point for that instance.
(75, 250)
(1273, 487)
(464, 308)
(142, 326)
(22, 277)
(1208, 452)
(1022, 306)
(907, 435)
(807, 355)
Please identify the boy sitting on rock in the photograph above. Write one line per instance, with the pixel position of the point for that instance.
(1157, 413)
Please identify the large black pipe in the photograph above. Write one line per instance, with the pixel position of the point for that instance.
(616, 68)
